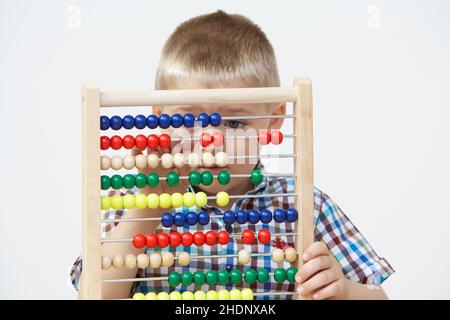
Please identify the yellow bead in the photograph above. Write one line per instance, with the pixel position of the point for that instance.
(165, 200)
(201, 199)
(153, 201)
(141, 201)
(117, 202)
(187, 295)
(247, 294)
(199, 295)
(175, 295)
(177, 200)
(235, 294)
(222, 199)
(106, 203)
(212, 295)
(139, 296)
(188, 199)
(129, 201)
(224, 294)
(163, 296)
(151, 296)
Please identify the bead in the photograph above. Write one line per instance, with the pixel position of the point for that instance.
(177, 120)
(215, 119)
(153, 201)
(248, 236)
(153, 161)
(223, 294)
(172, 179)
(104, 123)
(279, 275)
(179, 219)
(167, 161)
(153, 141)
(116, 202)
(223, 177)
(118, 261)
(211, 277)
(175, 239)
(152, 121)
(279, 215)
(140, 142)
(163, 239)
(223, 237)
(116, 182)
(187, 295)
(129, 181)
(116, 162)
(265, 216)
(207, 178)
(201, 199)
(164, 121)
(250, 276)
(290, 254)
(256, 176)
(188, 120)
(106, 262)
(276, 137)
(191, 218)
(222, 199)
(235, 277)
(241, 216)
(203, 218)
(151, 296)
(210, 238)
(221, 159)
(217, 139)
(228, 217)
(163, 296)
(128, 122)
(205, 139)
(290, 274)
(203, 118)
(194, 160)
(167, 259)
(140, 180)
(139, 296)
(223, 277)
(177, 200)
(199, 295)
(253, 216)
(155, 260)
(212, 295)
(105, 162)
(187, 239)
(208, 159)
(152, 180)
(195, 178)
(235, 294)
(199, 238)
(291, 215)
(116, 122)
(105, 202)
(165, 200)
(105, 182)
(151, 240)
(264, 236)
(129, 162)
(174, 279)
(184, 259)
(129, 201)
(188, 199)
(138, 241)
(115, 142)
(140, 121)
(164, 141)
(141, 201)
(263, 275)
(199, 278)
(277, 255)
(247, 294)
(186, 278)
(143, 261)
(263, 137)
(243, 256)
(104, 143)
(178, 160)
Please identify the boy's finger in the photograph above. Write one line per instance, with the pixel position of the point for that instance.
(329, 291)
(319, 280)
(312, 267)
(315, 250)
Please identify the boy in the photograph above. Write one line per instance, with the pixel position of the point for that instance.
(215, 51)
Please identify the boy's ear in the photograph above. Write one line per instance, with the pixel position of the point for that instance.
(279, 110)
(157, 110)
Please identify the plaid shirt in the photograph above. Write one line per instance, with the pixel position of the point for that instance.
(359, 261)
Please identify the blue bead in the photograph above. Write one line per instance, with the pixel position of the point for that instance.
(152, 121)
(164, 121)
(215, 119)
(104, 123)
(228, 217)
(291, 215)
(116, 123)
(167, 220)
(265, 216)
(177, 120)
(178, 219)
(241, 216)
(191, 218)
(189, 120)
(140, 121)
(203, 218)
(203, 118)
(253, 216)
(128, 122)
(279, 215)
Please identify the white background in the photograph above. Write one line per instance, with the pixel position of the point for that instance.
(381, 77)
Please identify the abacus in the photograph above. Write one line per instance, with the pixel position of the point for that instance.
(300, 94)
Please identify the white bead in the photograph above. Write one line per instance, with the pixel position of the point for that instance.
(167, 259)
(143, 260)
(277, 255)
(178, 160)
(153, 160)
(184, 259)
(221, 159)
(128, 162)
(118, 261)
(243, 257)
(106, 262)
(105, 162)
(116, 163)
(130, 261)
(208, 159)
(141, 161)
(290, 254)
(155, 260)
(166, 161)
(194, 160)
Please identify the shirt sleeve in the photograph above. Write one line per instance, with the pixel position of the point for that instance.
(360, 263)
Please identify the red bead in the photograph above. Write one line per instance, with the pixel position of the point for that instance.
(139, 240)
(140, 142)
(248, 236)
(153, 141)
(205, 139)
(218, 139)
(175, 239)
(187, 239)
(264, 137)
(116, 142)
(276, 137)
(199, 238)
(151, 240)
(163, 239)
(128, 142)
(164, 141)
(104, 143)
(264, 236)
(223, 237)
(211, 238)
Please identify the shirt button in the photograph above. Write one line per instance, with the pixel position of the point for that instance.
(229, 267)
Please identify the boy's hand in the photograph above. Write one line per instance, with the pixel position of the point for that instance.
(321, 275)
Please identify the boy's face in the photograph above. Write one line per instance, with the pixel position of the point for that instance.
(240, 136)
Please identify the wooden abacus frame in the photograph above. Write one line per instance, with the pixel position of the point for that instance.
(93, 99)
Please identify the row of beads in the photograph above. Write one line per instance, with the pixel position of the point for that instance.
(140, 142)
(164, 121)
(164, 200)
(234, 294)
(264, 216)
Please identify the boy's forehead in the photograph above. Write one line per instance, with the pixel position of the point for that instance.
(243, 109)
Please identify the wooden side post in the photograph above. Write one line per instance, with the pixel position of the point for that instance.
(303, 163)
(91, 247)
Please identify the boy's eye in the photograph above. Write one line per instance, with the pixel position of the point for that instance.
(234, 124)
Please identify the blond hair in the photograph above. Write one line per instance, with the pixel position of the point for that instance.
(218, 48)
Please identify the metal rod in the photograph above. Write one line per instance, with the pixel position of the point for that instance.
(287, 116)
(195, 138)
(274, 293)
(250, 196)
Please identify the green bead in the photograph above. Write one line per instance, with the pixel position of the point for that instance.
(211, 277)
(250, 276)
(256, 176)
(223, 177)
(236, 276)
(263, 275)
(174, 279)
(279, 275)
(128, 181)
(223, 277)
(152, 180)
(290, 274)
(116, 181)
(199, 278)
(195, 178)
(105, 181)
(186, 278)
(140, 180)
(172, 179)
(207, 178)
